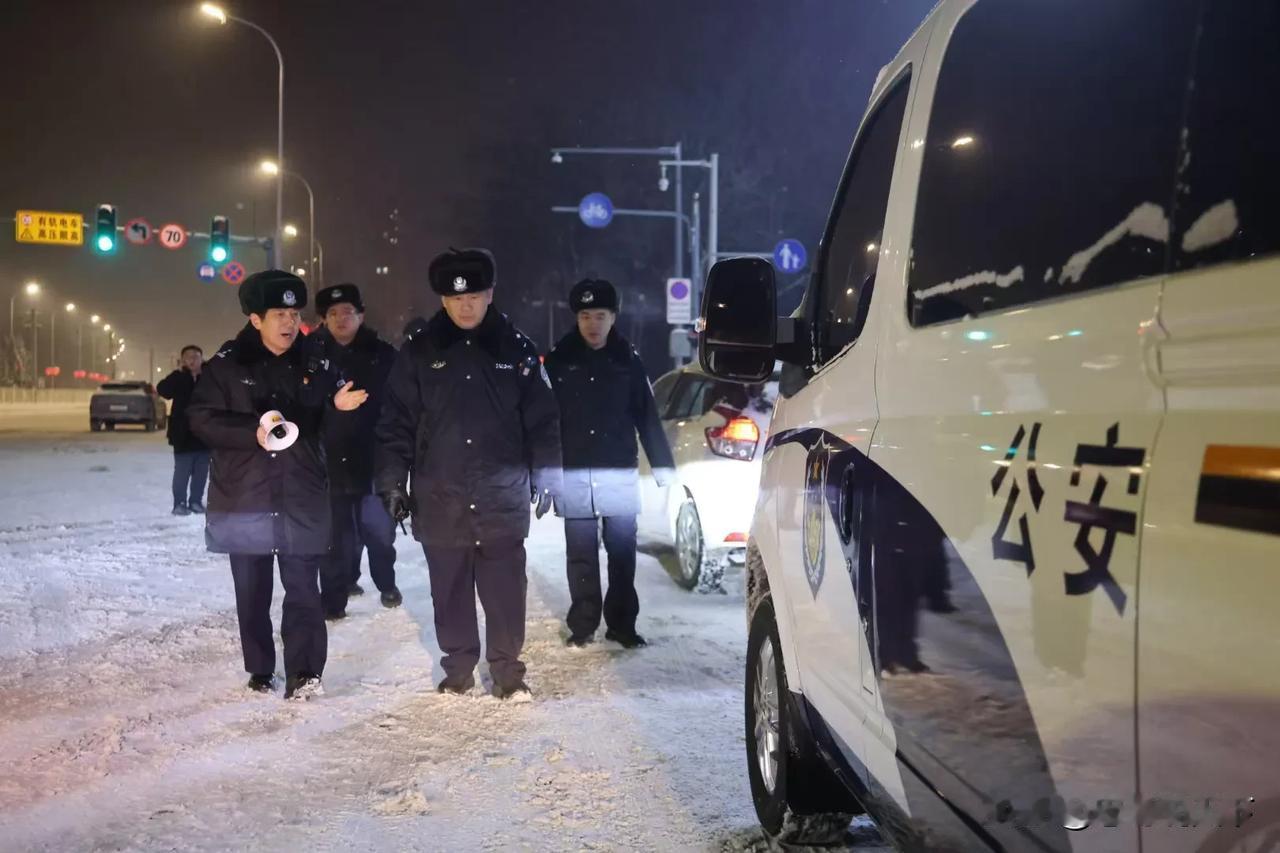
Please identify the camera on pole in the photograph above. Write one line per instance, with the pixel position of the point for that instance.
(105, 239)
(220, 240)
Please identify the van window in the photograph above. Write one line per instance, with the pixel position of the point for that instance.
(1229, 191)
(854, 242)
(1050, 154)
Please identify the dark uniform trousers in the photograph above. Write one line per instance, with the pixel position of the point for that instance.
(497, 572)
(359, 522)
(301, 625)
(582, 544)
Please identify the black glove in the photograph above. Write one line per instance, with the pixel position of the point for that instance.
(542, 503)
(399, 505)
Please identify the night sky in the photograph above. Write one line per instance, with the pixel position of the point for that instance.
(442, 111)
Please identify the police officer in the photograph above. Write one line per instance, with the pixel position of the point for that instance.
(355, 353)
(271, 504)
(470, 414)
(605, 399)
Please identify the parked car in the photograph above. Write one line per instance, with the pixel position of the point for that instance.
(717, 430)
(126, 403)
(1015, 552)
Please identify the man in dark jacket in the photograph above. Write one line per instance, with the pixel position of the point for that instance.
(190, 456)
(605, 399)
(470, 414)
(355, 353)
(268, 501)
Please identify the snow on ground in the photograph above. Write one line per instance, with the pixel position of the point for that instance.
(125, 725)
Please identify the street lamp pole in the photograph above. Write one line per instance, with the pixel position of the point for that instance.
(222, 17)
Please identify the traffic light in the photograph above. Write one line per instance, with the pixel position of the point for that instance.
(220, 240)
(105, 239)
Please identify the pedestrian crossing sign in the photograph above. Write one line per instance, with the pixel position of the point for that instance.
(48, 227)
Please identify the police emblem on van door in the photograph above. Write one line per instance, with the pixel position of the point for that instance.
(813, 532)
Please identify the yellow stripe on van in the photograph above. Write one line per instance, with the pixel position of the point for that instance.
(1247, 463)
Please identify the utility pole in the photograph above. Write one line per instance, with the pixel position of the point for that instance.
(35, 355)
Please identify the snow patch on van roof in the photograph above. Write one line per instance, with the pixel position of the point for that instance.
(1216, 225)
(976, 279)
(1145, 220)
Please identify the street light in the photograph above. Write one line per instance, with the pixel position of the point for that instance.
(269, 168)
(291, 231)
(94, 319)
(31, 289)
(220, 15)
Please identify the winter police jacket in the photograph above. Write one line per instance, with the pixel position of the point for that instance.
(178, 386)
(605, 399)
(365, 362)
(472, 416)
(263, 502)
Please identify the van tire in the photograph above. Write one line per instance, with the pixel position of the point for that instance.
(691, 547)
(806, 803)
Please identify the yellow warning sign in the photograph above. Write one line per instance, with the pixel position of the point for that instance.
(49, 227)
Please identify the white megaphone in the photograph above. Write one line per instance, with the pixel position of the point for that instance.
(280, 433)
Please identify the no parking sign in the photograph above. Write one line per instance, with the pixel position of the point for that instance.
(233, 273)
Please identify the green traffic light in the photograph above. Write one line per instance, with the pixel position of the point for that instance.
(105, 243)
(218, 254)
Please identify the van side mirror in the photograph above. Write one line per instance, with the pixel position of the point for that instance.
(739, 320)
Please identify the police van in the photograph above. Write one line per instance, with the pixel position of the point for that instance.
(1014, 569)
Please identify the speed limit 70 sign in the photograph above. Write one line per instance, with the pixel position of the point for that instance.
(173, 236)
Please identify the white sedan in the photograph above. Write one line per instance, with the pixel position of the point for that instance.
(717, 431)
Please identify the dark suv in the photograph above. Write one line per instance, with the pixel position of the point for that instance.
(126, 403)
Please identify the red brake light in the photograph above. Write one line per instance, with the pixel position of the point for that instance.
(742, 429)
(737, 439)
(736, 537)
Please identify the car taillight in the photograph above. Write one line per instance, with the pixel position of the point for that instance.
(736, 537)
(735, 440)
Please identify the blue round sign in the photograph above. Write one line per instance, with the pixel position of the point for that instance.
(790, 256)
(595, 210)
(206, 272)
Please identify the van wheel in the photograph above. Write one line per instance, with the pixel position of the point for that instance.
(690, 549)
(798, 799)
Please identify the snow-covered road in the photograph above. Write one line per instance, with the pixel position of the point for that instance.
(124, 722)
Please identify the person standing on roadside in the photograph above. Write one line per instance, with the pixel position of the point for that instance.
(190, 456)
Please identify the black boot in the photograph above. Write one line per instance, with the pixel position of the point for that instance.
(518, 692)
(580, 640)
(262, 683)
(303, 686)
(180, 508)
(628, 640)
(458, 686)
(355, 589)
(196, 507)
(392, 597)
